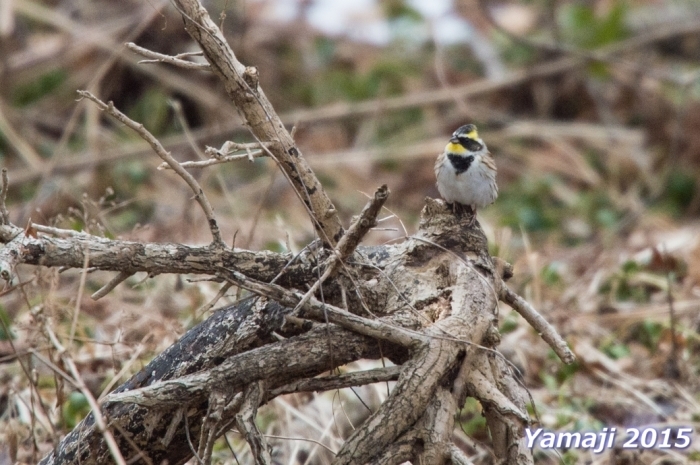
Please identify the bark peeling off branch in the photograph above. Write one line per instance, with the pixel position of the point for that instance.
(241, 84)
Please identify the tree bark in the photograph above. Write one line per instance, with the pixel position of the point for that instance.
(440, 284)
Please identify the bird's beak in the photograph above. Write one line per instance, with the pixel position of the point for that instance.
(455, 140)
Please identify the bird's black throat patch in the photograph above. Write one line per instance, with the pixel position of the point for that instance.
(460, 162)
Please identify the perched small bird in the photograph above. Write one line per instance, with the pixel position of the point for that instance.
(466, 171)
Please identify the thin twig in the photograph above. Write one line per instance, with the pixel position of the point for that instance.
(189, 440)
(79, 298)
(107, 288)
(217, 403)
(328, 383)
(166, 157)
(349, 242)
(176, 60)
(137, 353)
(242, 86)
(209, 305)
(216, 161)
(245, 420)
(313, 441)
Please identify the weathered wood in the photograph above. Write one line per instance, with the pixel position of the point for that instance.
(440, 283)
(240, 329)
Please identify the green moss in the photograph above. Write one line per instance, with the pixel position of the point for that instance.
(530, 204)
(615, 350)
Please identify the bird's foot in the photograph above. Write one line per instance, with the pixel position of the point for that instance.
(459, 209)
(472, 221)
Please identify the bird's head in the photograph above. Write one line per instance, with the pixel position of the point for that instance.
(465, 141)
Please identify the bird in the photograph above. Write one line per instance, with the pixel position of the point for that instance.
(466, 172)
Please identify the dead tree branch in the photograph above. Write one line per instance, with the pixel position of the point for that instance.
(167, 158)
(178, 60)
(543, 328)
(245, 420)
(130, 257)
(241, 84)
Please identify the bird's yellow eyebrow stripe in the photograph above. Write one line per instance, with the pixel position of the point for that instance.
(473, 134)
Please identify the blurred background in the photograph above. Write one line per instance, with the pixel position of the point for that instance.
(591, 109)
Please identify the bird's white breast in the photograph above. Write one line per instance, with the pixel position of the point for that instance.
(476, 186)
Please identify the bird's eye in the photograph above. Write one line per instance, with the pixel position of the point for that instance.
(471, 144)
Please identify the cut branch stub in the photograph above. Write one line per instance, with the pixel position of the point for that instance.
(241, 84)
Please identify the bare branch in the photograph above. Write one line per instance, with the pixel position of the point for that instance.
(131, 257)
(245, 420)
(166, 157)
(222, 155)
(107, 288)
(176, 60)
(546, 331)
(366, 221)
(217, 402)
(302, 355)
(438, 424)
(241, 84)
(217, 161)
(80, 384)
